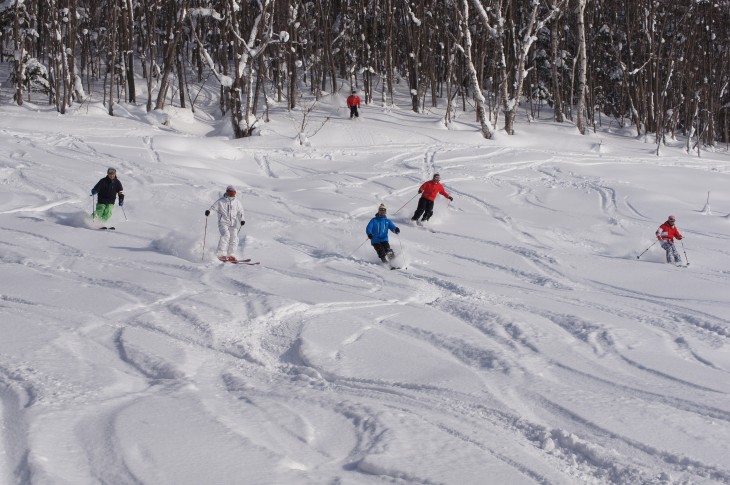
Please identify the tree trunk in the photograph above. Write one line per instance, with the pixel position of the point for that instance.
(556, 60)
(582, 65)
(487, 131)
(19, 55)
(174, 31)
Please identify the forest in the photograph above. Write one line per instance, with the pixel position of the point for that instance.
(660, 67)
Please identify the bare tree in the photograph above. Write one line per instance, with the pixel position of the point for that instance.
(487, 131)
(659, 66)
(19, 52)
(582, 67)
(176, 11)
(246, 51)
(556, 64)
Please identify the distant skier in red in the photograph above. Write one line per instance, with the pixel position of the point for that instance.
(429, 190)
(353, 102)
(666, 234)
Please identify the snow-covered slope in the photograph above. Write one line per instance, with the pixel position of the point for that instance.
(524, 343)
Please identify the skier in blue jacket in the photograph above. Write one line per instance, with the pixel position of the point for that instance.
(377, 232)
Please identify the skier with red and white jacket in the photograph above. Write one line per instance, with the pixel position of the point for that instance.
(666, 234)
(429, 191)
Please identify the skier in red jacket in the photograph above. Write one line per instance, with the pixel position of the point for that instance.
(666, 234)
(353, 102)
(429, 190)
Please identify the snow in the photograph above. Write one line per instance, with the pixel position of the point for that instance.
(524, 343)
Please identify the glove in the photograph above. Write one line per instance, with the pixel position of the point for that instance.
(207, 213)
(680, 237)
(93, 191)
(121, 203)
(370, 236)
(420, 191)
(451, 198)
(243, 222)
(397, 230)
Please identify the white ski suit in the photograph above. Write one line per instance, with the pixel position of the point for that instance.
(230, 217)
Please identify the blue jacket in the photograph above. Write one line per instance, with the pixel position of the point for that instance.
(378, 227)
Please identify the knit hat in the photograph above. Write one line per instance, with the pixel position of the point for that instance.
(230, 188)
(671, 218)
(382, 208)
(111, 170)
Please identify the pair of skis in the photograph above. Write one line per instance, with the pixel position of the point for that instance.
(423, 225)
(232, 260)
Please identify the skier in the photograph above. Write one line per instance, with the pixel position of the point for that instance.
(666, 234)
(377, 231)
(107, 188)
(429, 190)
(230, 213)
(353, 102)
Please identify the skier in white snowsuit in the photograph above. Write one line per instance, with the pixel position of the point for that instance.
(230, 214)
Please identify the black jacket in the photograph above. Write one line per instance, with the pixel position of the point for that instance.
(108, 189)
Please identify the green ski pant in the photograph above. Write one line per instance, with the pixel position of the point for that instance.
(103, 211)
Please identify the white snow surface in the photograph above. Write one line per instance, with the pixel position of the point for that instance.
(522, 342)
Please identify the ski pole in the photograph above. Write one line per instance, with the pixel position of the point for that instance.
(645, 250)
(685, 252)
(124, 212)
(205, 234)
(366, 240)
(403, 251)
(93, 208)
(409, 200)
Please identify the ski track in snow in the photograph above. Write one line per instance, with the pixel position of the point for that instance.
(537, 372)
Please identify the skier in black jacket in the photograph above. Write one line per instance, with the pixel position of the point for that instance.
(107, 188)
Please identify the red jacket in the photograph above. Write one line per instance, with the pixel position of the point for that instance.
(431, 189)
(668, 233)
(353, 100)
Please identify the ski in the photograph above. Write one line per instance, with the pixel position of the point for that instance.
(231, 259)
(248, 261)
(423, 225)
(390, 266)
(104, 228)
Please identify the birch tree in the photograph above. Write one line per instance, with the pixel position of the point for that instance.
(176, 11)
(580, 120)
(260, 35)
(486, 127)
